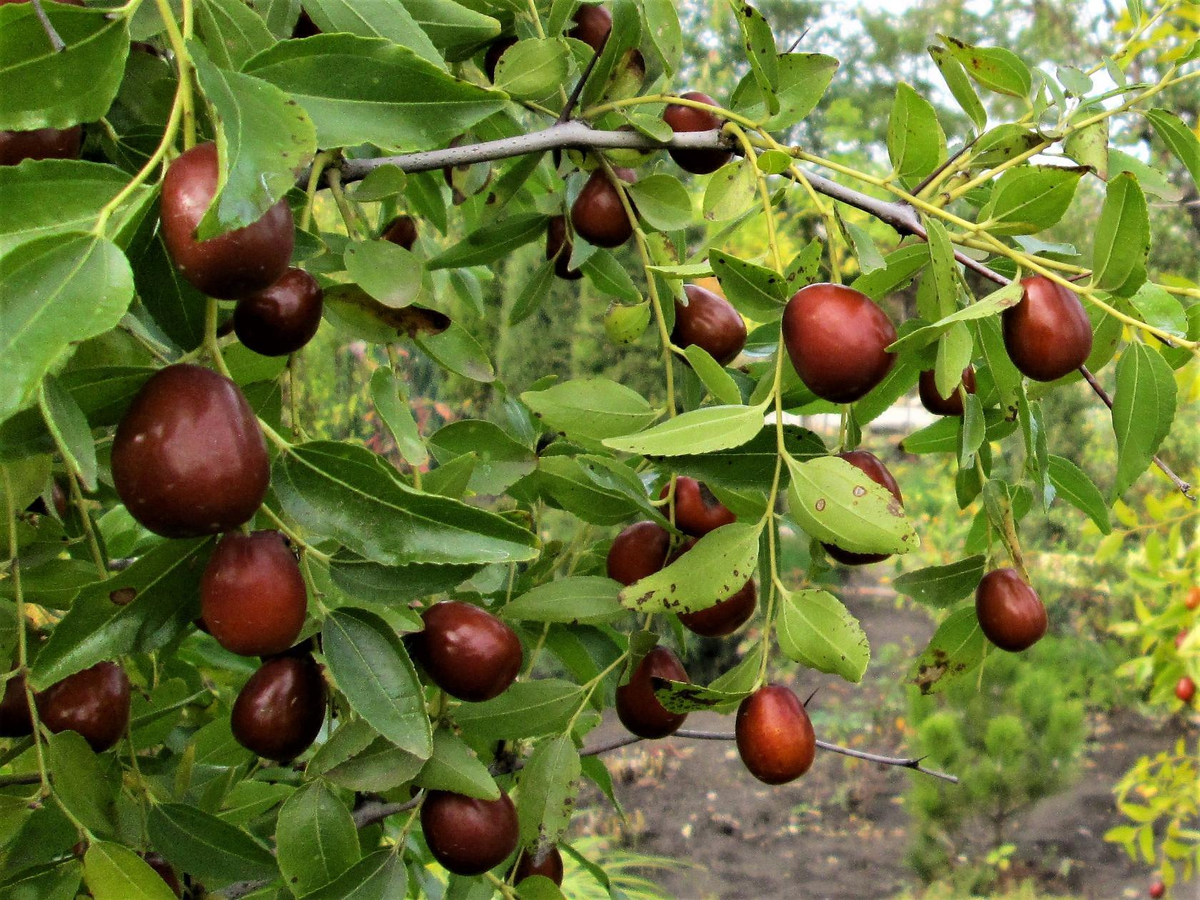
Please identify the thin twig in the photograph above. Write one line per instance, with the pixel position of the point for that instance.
(569, 106)
(14, 780)
(55, 41)
(372, 812)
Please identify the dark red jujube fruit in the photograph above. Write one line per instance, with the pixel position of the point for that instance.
(593, 25)
(189, 458)
(727, 616)
(280, 710)
(467, 652)
(252, 595)
(94, 703)
(597, 214)
(774, 735)
(40, 143)
(1185, 689)
(282, 318)
(697, 511)
(638, 708)
(230, 265)
(469, 836)
(165, 871)
(710, 322)
(491, 59)
(1011, 614)
(1047, 335)
(872, 466)
(15, 720)
(558, 248)
(935, 402)
(637, 552)
(402, 230)
(550, 867)
(688, 118)
(837, 339)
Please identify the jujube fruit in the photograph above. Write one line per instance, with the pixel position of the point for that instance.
(1193, 598)
(593, 25)
(305, 26)
(282, 318)
(94, 703)
(638, 552)
(467, 652)
(189, 458)
(933, 401)
(710, 322)
(550, 867)
(598, 215)
(638, 708)
(687, 118)
(252, 595)
(697, 511)
(402, 230)
(1011, 615)
(872, 466)
(1185, 689)
(491, 59)
(725, 617)
(837, 339)
(15, 720)
(774, 735)
(1047, 334)
(165, 871)
(230, 265)
(469, 836)
(558, 248)
(1158, 890)
(1180, 638)
(279, 711)
(40, 143)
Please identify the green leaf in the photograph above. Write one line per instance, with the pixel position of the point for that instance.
(387, 392)
(956, 648)
(501, 460)
(369, 19)
(263, 140)
(379, 876)
(1122, 238)
(54, 583)
(386, 271)
(455, 767)
(1074, 486)
(902, 267)
(526, 709)
(685, 697)
(55, 292)
(81, 784)
(1143, 409)
(114, 872)
(991, 305)
(347, 493)
(750, 467)
(731, 191)
(452, 26)
(549, 784)
(942, 436)
(456, 350)
(370, 90)
(718, 381)
(590, 409)
(1089, 147)
(942, 586)
(759, 44)
(624, 36)
(1181, 139)
(754, 290)
(960, 86)
(232, 31)
(533, 294)
(662, 28)
(316, 839)
(994, 68)
(836, 503)
(366, 580)
(663, 201)
(699, 431)
(70, 428)
(915, 140)
(574, 600)
(165, 583)
(717, 566)
(206, 847)
(869, 257)
(803, 79)
(1158, 308)
(943, 267)
(175, 305)
(609, 276)
(1029, 199)
(491, 242)
(817, 631)
(564, 482)
(44, 88)
(372, 668)
(534, 68)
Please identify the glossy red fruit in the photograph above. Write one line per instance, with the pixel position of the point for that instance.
(774, 735)
(94, 703)
(1011, 614)
(469, 836)
(41, 143)
(637, 552)
(280, 319)
(558, 248)
(230, 265)
(165, 871)
(252, 595)
(697, 511)
(1047, 334)
(727, 616)
(688, 118)
(189, 457)
(1158, 890)
(1180, 638)
(401, 230)
(467, 652)
(597, 214)
(279, 711)
(15, 720)
(837, 339)
(1185, 689)
(710, 322)
(491, 59)
(638, 708)
(593, 25)
(872, 466)
(550, 867)
(935, 402)
(1193, 598)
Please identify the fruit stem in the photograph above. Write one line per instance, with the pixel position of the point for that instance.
(832, 227)
(765, 192)
(319, 163)
(309, 549)
(88, 529)
(502, 886)
(56, 41)
(768, 519)
(178, 42)
(355, 229)
(275, 437)
(211, 342)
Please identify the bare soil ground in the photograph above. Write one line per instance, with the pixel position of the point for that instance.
(841, 832)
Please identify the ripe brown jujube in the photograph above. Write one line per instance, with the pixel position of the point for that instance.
(727, 616)
(1185, 689)
(469, 836)
(638, 708)
(230, 265)
(550, 867)
(637, 552)
(467, 652)
(837, 339)
(710, 322)
(281, 708)
(597, 213)
(697, 511)
(165, 871)
(15, 720)
(1193, 598)
(688, 118)
(189, 457)
(774, 735)
(1047, 335)
(402, 230)
(558, 248)
(935, 402)
(40, 143)
(252, 595)
(1011, 615)
(94, 703)
(282, 318)
(593, 24)
(872, 466)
